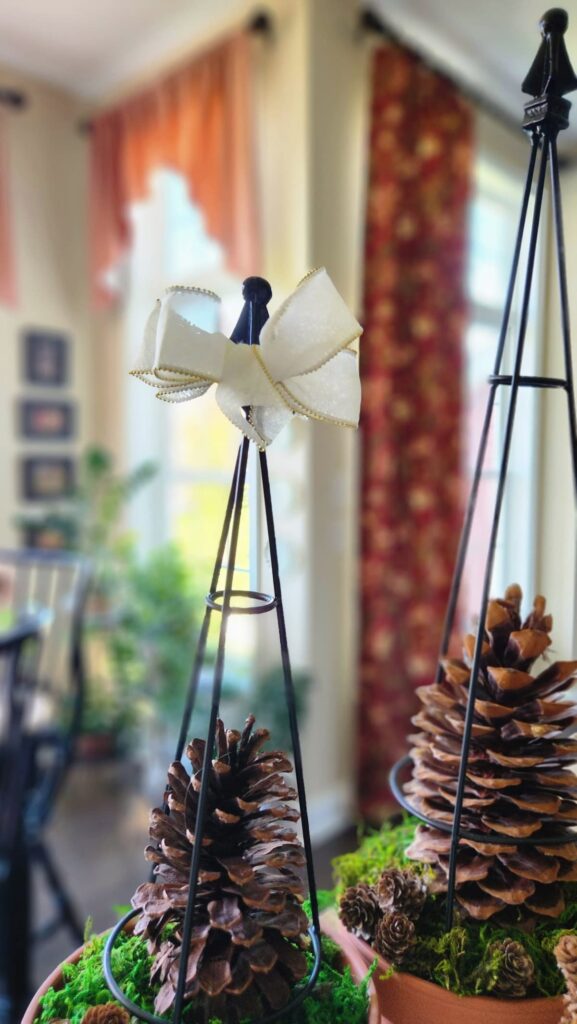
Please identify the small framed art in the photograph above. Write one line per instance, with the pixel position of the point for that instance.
(52, 534)
(46, 420)
(45, 477)
(46, 358)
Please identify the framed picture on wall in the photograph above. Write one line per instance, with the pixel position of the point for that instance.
(46, 357)
(51, 534)
(45, 477)
(46, 421)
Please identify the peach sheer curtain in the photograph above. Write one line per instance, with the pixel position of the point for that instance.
(7, 256)
(198, 121)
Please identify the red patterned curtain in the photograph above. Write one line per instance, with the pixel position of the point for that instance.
(411, 365)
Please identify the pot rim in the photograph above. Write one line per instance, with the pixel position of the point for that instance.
(353, 957)
(369, 955)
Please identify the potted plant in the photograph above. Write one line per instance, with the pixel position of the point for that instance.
(250, 947)
(516, 904)
(91, 522)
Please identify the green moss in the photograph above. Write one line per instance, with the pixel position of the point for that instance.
(85, 985)
(377, 851)
(336, 998)
(459, 959)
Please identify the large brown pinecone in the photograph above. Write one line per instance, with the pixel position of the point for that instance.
(516, 971)
(359, 911)
(248, 916)
(519, 781)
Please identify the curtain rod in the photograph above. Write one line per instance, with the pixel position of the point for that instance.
(259, 24)
(371, 22)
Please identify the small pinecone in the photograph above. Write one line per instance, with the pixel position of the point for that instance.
(359, 911)
(403, 891)
(394, 936)
(516, 969)
(107, 1013)
(566, 956)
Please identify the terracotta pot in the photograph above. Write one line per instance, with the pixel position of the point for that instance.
(404, 999)
(354, 958)
(53, 980)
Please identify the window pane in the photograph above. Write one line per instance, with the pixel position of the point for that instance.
(197, 509)
(202, 439)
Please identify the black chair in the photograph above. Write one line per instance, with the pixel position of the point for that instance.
(49, 685)
(16, 755)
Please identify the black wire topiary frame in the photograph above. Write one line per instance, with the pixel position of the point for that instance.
(257, 293)
(550, 77)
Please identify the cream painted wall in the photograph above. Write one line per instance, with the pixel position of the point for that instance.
(313, 96)
(48, 176)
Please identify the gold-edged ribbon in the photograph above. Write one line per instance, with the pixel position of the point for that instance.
(306, 363)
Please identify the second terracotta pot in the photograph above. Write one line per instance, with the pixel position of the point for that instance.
(404, 999)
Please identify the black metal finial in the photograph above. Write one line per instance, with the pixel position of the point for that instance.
(551, 75)
(256, 292)
(256, 289)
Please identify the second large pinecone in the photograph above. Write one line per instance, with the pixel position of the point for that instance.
(244, 954)
(518, 780)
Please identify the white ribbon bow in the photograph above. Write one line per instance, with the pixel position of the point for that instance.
(306, 362)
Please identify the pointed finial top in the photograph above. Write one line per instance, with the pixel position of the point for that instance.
(551, 73)
(256, 292)
(554, 20)
(256, 289)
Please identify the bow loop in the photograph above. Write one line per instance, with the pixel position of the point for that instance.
(306, 363)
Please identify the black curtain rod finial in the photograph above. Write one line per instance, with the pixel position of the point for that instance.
(370, 22)
(261, 23)
(13, 98)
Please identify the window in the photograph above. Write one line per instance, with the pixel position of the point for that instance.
(493, 226)
(192, 442)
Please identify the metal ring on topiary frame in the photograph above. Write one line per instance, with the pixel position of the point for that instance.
(559, 839)
(257, 294)
(550, 77)
(303, 988)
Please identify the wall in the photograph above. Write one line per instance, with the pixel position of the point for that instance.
(48, 176)
(313, 101)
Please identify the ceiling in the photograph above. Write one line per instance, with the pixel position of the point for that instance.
(93, 48)
(90, 48)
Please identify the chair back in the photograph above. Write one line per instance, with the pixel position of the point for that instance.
(53, 585)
